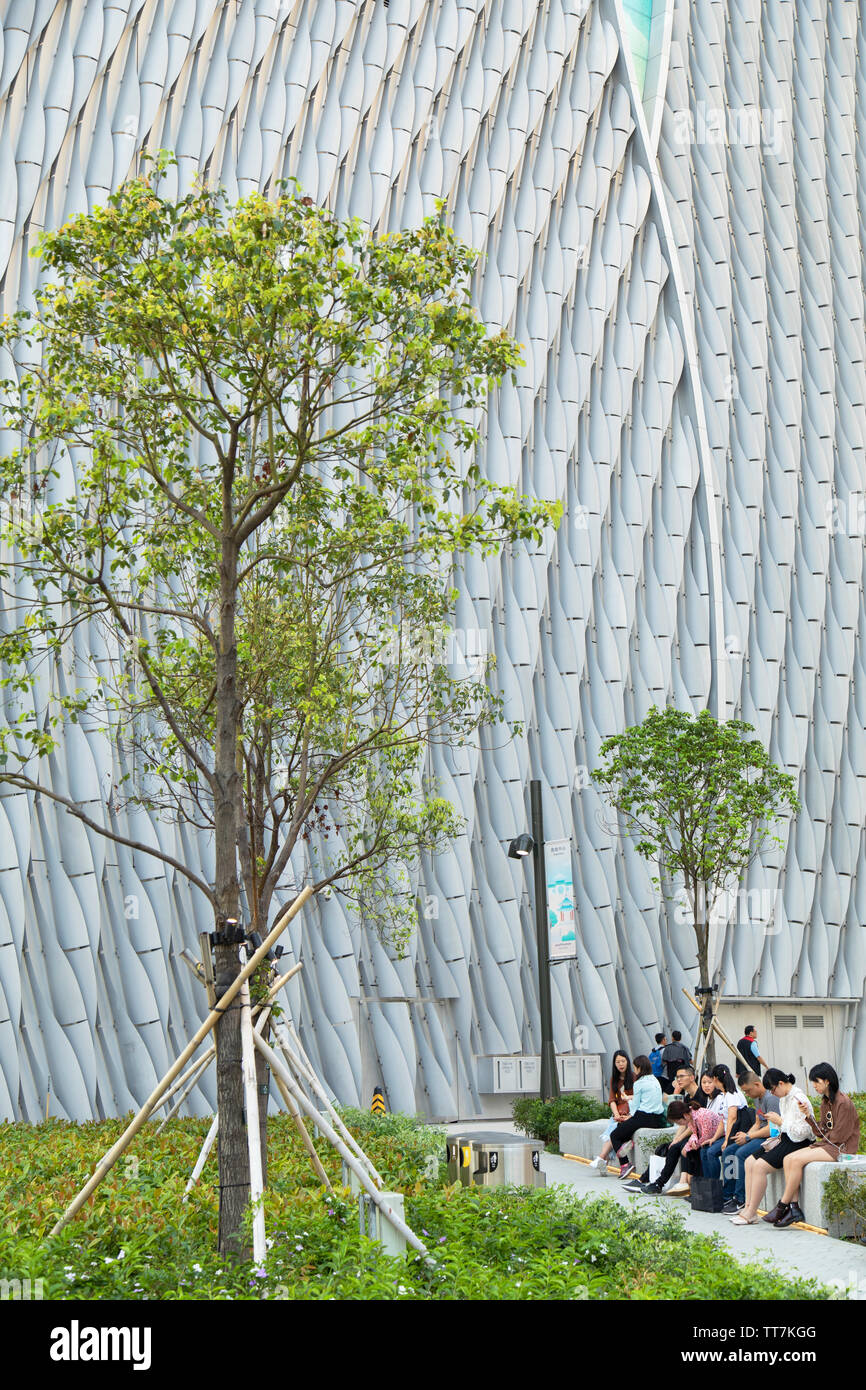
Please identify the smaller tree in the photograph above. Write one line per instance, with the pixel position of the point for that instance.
(699, 798)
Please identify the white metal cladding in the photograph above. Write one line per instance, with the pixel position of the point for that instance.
(685, 265)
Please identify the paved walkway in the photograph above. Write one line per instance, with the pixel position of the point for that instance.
(797, 1253)
(794, 1252)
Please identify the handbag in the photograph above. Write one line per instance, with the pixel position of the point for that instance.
(707, 1194)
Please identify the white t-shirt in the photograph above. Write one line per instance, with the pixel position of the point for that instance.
(722, 1102)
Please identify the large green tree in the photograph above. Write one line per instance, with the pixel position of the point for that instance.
(245, 476)
(699, 798)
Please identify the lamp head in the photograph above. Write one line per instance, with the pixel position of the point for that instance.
(519, 848)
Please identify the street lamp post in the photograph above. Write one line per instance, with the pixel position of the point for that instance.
(518, 849)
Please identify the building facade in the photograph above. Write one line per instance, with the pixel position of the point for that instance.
(671, 200)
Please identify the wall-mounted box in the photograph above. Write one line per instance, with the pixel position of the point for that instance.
(592, 1073)
(570, 1073)
(530, 1074)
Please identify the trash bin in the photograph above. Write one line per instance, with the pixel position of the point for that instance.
(493, 1160)
(452, 1159)
(465, 1159)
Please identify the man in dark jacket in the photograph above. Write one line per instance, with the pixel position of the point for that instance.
(675, 1054)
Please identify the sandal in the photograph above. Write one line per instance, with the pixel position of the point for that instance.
(744, 1220)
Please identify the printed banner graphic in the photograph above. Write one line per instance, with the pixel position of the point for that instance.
(560, 899)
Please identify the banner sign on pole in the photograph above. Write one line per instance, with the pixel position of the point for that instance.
(560, 899)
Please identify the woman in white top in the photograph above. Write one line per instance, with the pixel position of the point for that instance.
(796, 1134)
(732, 1108)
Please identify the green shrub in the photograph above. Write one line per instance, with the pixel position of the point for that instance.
(844, 1196)
(411, 1143)
(136, 1239)
(540, 1119)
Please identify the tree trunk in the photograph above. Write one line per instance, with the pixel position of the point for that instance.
(703, 935)
(234, 1175)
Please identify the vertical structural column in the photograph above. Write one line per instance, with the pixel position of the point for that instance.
(549, 1079)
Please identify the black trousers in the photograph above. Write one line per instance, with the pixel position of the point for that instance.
(641, 1119)
(671, 1154)
(691, 1163)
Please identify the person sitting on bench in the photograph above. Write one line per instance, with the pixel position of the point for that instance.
(838, 1132)
(686, 1087)
(678, 1112)
(619, 1094)
(796, 1134)
(705, 1126)
(647, 1110)
(732, 1108)
(746, 1144)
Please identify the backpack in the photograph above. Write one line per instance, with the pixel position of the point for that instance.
(655, 1059)
(673, 1056)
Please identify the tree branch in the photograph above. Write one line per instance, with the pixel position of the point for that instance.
(27, 784)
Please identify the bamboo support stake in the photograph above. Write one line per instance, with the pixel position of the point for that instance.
(282, 980)
(298, 1121)
(254, 1145)
(193, 965)
(717, 1027)
(288, 1101)
(709, 1033)
(198, 1073)
(207, 974)
(109, 1160)
(202, 1158)
(212, 1132)
(209, 1055)
(175, 1087)
(182, 1080)
(279, 1068)
(304, 1072)
(302, 1066)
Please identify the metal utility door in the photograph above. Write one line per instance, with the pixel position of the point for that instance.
(734, 1018)
(801, 1036)
(792, 1035)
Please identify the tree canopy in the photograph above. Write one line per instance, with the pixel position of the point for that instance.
(249, 436)
(699, 798)
(244, 472)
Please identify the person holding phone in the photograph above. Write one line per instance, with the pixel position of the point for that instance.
(837, 1132)
(746, 1143)
(733, 1110)
(796, 1133)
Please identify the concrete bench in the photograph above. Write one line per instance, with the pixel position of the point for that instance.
(584, 1140)
(815, 1176)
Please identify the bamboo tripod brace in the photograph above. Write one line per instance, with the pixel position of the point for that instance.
(293, 1074)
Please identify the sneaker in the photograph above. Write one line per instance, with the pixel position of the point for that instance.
(600, 1165)
(680, 1189)
(625, 1168)
(730, 1207)
(634, 1185)
(652, 1189)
